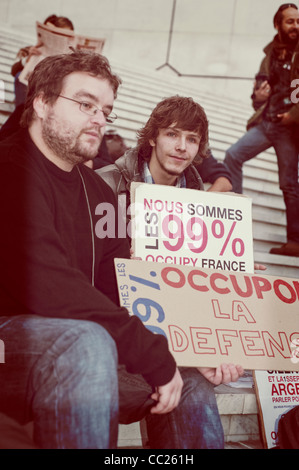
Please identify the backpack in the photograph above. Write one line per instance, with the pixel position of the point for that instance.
(288, 430)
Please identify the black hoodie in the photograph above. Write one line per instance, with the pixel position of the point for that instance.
(46, 254)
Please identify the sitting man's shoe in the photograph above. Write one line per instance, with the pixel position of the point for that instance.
(288, 249)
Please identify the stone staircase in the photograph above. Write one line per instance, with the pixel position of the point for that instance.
(140, 92)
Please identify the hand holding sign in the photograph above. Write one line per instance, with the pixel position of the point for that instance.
(223, 374)
(168, 396)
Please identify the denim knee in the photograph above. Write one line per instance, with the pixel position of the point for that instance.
(195, 384)
(93, 339)
(84, 348)
(75, 390)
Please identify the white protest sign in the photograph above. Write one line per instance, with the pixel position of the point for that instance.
(278, 392)
(192, 228)
(211, 316)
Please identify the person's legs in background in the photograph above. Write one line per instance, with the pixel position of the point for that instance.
(287, 159)
(20, 91)
(249, 146)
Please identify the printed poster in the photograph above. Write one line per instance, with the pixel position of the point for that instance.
(278, 392)
(192, 228)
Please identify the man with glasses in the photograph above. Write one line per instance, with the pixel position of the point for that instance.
(275, 121)
(66, 337)
(63, 329)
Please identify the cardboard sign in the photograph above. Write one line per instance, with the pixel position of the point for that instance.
(278, 392)
(192, 228)
(211, 316)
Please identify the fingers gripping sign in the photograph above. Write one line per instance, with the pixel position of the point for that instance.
(223, 374)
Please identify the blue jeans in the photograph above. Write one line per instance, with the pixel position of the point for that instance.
(20, 91)
(257, 140)
(62, 374)
(194, 424)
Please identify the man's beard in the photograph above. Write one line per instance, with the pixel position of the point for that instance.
(285, 38)
(65, 144)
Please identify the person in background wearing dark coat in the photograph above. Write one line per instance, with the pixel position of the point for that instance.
(276, 121)
(64, 332)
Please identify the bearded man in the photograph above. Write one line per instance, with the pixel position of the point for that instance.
(61, 323)
(275, 121)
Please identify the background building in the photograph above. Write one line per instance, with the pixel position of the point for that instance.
(198, 38)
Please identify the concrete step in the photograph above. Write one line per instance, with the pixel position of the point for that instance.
(171, 83)
(264, 199)
(273, 235)
(277, 265)
(271, 216)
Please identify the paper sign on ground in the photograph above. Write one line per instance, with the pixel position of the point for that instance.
(58, 41)
(192, 228)
(211, 316)
(278, 392)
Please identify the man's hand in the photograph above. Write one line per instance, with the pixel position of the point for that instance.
(134, 257)
(168, 396)
(259, 267)
(223, 374)
(34, 50)
(262, 93)
(285, 119)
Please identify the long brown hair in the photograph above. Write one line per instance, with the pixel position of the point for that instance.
(185, 113)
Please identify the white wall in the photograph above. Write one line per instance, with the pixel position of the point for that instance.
(210, 37)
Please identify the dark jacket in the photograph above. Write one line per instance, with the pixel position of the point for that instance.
(126, 170)
(265, 70)
(210, 169)
(46, 254)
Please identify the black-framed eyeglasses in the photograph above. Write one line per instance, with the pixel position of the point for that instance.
(92, 109)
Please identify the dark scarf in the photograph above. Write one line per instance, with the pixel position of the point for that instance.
(282, 51)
